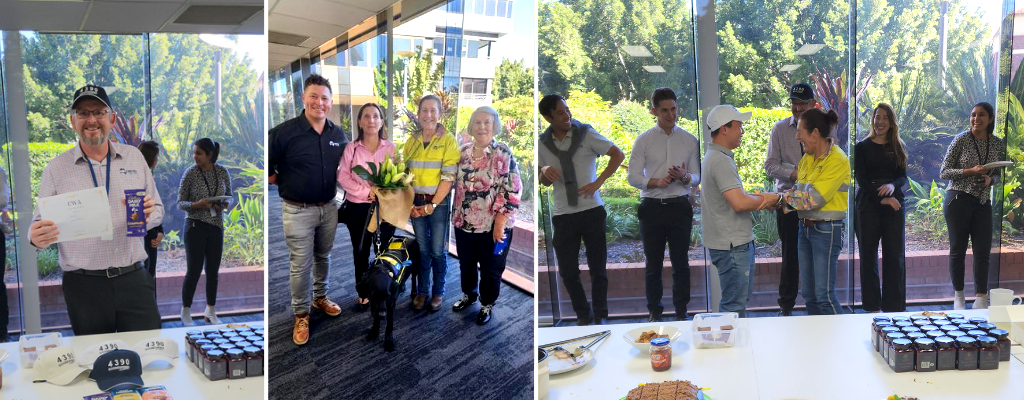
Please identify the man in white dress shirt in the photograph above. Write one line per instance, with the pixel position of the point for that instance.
(664, 165)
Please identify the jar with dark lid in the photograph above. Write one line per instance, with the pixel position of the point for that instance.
(876, 330)
(215, 366)
(229, 335)
(967, 327)
(985, 326)
(927, 328)
(967, 353)
(918, 317)
(1003, 342)
(978, 320)
(899, 318)
(976, 333)
(256, 327)
(225, 330)
(948, 328)
(940, 322)
(258, 331)
(214, 336)
(190, 350)
(226, 346)
(908, 329)
(201, 351)
(220, 341)
(922, 322)
(902, 324)
(253, 361)
(209, 332)
(236, 364)
(988, 353)
(882, 344)
(661, 355)
(243, 329)
(902, 355)
(881, 318)
(888, 344)
(243, 344)
(955, 334)
(258, 343)
(193, 333)
(954, 316)
(236, 339)
(936, 317)
(926, 354)
(945, 358)
(959, 321)
(916, 335)
(935, 334)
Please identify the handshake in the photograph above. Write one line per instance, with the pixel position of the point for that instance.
(770, 201)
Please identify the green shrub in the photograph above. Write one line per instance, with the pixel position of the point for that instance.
(48, 261)
(924, 213)
(751, 154)
(39, 154)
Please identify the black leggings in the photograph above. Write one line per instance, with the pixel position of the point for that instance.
(967, 218)
(204, 244)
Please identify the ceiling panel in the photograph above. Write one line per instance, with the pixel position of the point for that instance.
(134, 16)
(41, 15)
(129, 17)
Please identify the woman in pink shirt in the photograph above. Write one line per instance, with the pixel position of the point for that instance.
(367, 147)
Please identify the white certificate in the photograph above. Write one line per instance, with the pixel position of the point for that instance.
(79, 215)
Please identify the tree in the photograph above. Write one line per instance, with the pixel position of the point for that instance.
(512, 78)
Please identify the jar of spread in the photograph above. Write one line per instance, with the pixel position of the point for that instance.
(220, 341)
(236, 339)
(887, 355)
(940, 322)
(1003, 342)
(976, 333)
(955, 334)
(236, 364)
(225, 330)
(902, 324)
(209, 332)
(899, 318)
(959, 321)
(936, 317)
(883, 343)
(935, 334)
(922, 322)
(948, 328)
(902, 355)
(253, 361)
(908, 329)
(967, 327)
(967, 353)
(214, 336)
(916, 335)
(927, 328)
(918, 317)
(243, 344)
(191, 348)
(201, 353)
(945, 358)
(661, 355)
(876, 332)
(225, 347)
(978, 320)
(926, 354)
(985, 326)
(258, 343)
(215, 366)
(229, 335)
(988, 353)
(258, 331)
(952, 316)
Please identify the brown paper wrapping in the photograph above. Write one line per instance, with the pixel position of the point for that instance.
(395, 206)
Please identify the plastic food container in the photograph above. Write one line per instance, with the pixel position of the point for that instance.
(31, 346)
(714, 330)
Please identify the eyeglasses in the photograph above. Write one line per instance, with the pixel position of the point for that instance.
(85, 114)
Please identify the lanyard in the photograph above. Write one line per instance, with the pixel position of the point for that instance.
(209, 187)
(976, 151)
(93, 173)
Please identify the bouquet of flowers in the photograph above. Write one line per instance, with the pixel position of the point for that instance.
(385, 175)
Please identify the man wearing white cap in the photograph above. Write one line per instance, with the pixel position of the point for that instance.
(725, 214)
(105, 285)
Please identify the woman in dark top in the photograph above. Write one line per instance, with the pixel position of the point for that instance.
(151, 151)
(204, 227)
(880, 165)
(968, 209)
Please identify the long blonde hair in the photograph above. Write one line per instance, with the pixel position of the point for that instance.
(892, 137)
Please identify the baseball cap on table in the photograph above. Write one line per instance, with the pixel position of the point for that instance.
(117, 369)
(57, 366)
(725, 114)
(157, 349)
(801, 91)
(90, 355)
(91, 92)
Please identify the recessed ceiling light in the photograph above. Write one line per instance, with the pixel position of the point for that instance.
(809, 48)
(790, 67)
(654, 68)
(637, 51)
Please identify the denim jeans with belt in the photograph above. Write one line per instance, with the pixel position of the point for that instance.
(736, 274)
(309, 233)
(432, 237)
(819, 247)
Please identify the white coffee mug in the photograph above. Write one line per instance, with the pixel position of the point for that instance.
(1003, 297)
(543, 373)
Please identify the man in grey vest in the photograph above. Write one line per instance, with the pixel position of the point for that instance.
(567, 156)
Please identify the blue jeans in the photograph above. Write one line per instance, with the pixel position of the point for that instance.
(432, 237)
(736, 274)
(819, 247)
(309, 234)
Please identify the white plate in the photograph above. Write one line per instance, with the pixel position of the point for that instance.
(561, 366)
(997, 164)
(217, 198)
(634, 334)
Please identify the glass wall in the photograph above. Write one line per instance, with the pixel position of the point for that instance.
(467, 62)
(11, 320)
(173, 89)
(931, 62)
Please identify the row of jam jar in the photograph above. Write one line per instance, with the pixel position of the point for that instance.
(227, 353)
(942, 350)
(935, 326)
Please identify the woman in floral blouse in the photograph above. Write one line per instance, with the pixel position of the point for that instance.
(487, 188)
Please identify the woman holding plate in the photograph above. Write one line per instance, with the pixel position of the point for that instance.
(204, 193)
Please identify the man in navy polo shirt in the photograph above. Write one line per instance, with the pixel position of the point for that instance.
(304, 153)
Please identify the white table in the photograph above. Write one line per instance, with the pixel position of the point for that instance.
(182, 379)
(819, 357)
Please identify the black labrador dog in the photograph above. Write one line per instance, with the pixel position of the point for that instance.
(383, 282)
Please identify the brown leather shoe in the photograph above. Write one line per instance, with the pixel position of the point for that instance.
(417, 302)
(327, 306)
(300, 334)
(435, 303)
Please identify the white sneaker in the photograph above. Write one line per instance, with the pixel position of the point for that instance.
(980, 303)
(958, 301)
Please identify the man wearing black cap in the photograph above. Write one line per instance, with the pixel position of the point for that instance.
(105, 285)
(304, 153)
(783, 156)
